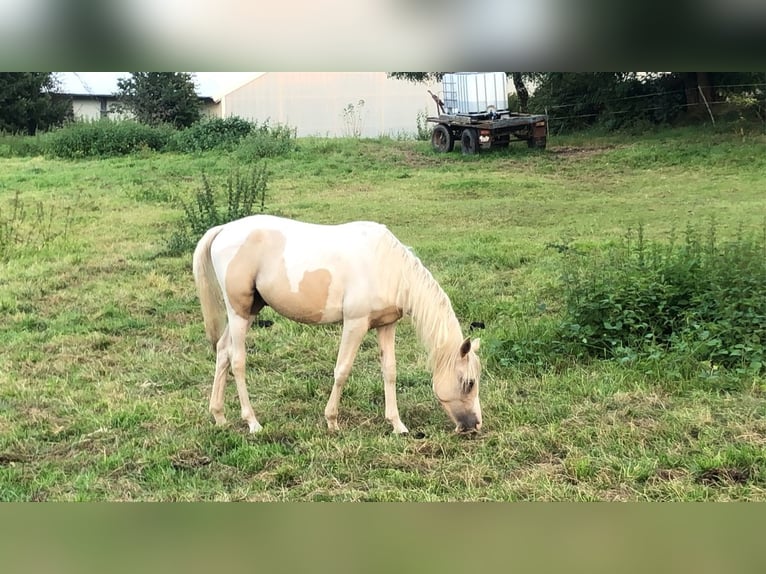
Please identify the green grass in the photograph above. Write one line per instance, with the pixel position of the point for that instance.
(105, 372)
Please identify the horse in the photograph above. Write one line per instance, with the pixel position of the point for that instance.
(357, 273)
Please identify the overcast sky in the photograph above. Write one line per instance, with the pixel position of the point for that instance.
(208, 83)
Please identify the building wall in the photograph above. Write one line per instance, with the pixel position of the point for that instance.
(89, 107)
(210, 109)
(86, 109)
(314, 103)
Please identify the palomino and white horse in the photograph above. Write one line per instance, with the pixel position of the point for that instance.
(357, 273)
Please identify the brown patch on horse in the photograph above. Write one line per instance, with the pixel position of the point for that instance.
(248, 296)
(308, 304)
(241, 273)
(385, 316)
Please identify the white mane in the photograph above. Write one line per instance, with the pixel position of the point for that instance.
(420, 297)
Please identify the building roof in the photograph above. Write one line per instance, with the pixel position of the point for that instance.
(83, 96)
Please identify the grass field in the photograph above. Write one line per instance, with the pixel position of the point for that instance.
(105, 372)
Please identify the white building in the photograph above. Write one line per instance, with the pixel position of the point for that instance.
(91, 107)
(327, 104)
(331, 104)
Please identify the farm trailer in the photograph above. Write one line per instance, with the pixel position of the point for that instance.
(477, 132)
(475, 112)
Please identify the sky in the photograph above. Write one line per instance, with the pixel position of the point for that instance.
(208, 83)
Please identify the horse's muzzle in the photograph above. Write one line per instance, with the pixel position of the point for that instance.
(468, 423)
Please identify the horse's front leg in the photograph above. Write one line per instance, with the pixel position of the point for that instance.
(353, 333)
(238, 327)
(386, 339)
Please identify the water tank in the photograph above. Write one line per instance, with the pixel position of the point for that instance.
(466, 93)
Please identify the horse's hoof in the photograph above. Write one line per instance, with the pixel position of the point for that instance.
(254, 427)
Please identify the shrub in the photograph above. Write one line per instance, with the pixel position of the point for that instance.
(104, 138)
(212, 133)
(266, 141)
(703, 298)
(244, 194)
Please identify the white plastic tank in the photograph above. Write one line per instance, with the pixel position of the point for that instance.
(474, 92)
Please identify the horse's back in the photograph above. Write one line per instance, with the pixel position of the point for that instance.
(301, 233)
(309, 272)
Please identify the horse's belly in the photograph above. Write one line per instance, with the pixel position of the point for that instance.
(313, 300)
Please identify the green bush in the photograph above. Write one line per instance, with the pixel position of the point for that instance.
(212, 133)
(244, 195)
(105, 138)
(702, 297)
(266, 141)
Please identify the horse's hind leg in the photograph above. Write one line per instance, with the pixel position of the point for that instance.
(222, 362)
(353, 333)
(238, 327)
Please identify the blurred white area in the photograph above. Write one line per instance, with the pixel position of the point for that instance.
(349, 35)
(354, 35)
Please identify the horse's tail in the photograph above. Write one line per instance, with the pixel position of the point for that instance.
(208, 288)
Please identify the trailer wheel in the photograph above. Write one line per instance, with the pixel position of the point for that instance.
(469, 141)
(538, 143)
(442, 140)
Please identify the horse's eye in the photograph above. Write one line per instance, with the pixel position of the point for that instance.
(468, 385)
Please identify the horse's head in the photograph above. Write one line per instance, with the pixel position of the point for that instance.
(457, 387)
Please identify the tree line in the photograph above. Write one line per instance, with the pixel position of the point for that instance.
(618, 99)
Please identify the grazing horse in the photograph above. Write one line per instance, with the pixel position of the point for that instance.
(357, 273)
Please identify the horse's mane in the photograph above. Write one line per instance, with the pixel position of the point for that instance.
(422, 298)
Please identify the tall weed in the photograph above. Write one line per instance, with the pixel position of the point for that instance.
(424, 129)
(244, 195)
(24, 228)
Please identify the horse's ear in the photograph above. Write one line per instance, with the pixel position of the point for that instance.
(465, 347)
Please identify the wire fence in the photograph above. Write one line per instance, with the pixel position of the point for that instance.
(607, 105)
(663, 93)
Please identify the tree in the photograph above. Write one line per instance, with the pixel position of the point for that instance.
(521, 91)
(703, 88)
(160, 97)
(29, 102)
(417, 77)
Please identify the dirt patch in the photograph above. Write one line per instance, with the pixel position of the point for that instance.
(189, 460)
(413, 158)
(576, 152)
(9, 458)
(723, 476)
